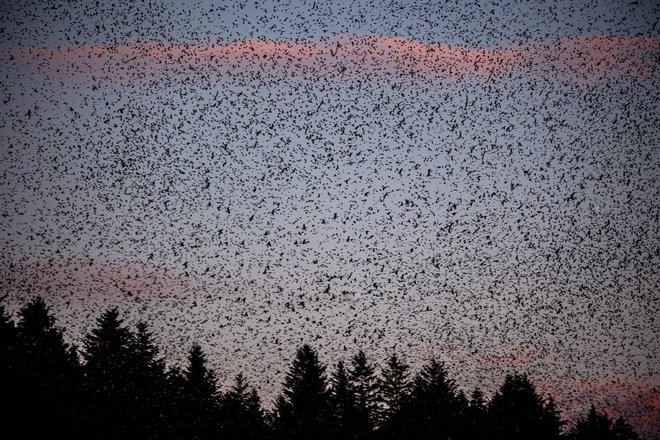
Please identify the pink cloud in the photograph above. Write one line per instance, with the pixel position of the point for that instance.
(637, 400)
(586, 60)
(100, 278)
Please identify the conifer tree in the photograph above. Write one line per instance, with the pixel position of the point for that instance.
(594, 426)
(621, 430)
(48, 375)
(241, 413)
(461, 416)
(200, 395)
(552, 422)
(518, 412)
(597, 425)
(476, 415)
(394, 387)
(303, 409)
(9, 368)
(107, 351)
(174, 404)
(431, 409)
(364, 385)
(147, 384)
(342, 397)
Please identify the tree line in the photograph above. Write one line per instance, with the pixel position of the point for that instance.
(118, 386)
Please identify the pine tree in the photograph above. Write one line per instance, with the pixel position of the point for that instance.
(8, 344)
(107, 351)
(342, 398)
(241, 413)
(594, 426)
(48, 378)
(476, 415)
(9, 369)
(394, 390)
(175, 405)
(621, 430)
(201, 397)
(431, 409)
(597, 425)
(461, 416)
(364, 384)
(303, 409)
(147, 384)
(552, 423)
(518, 411)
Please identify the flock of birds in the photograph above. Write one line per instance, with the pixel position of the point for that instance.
(496, 207)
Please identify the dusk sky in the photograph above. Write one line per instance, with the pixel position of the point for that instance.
(473, 181)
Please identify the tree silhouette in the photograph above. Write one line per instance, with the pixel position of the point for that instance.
(621, 430)
(241, 413)
(9, 370)
(518, 412)
(597, 425)
(394, 390)
(431, 410)
(174, 404)
(124, 390)
(107, 352)
(364, 385)
(343, 408)
(47, 378)
(147, 384)
(460, 425)
(475, 422)
(552, 423)
(594, 426)
(200, 396)
(303, 409)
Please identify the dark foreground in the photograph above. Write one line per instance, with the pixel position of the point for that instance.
(118, 386)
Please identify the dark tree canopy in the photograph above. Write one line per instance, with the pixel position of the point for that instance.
(107, 351)
(303, 409)
(431, 409)
(597, 425)
(123, 389)
(241, 413)
(200, 396)
(44, 371)
(394, 388)
(343, 405)
(364, 385)
(518, 411)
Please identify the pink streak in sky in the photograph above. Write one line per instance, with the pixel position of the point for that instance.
(585, 60)
(638, 400)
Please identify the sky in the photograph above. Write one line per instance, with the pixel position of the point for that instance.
(474, 181)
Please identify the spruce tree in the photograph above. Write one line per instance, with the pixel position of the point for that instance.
(241, 413)
(621, 430)
(48, 374)
(9, 369)
(342, 397)
(108, 400)
(394, 387)
(363, 381)
(597, 425)
(552, 423)
(476, 426)
(303, 409)
(201, 397)
(518, 412)
(147, 384)
(431, 409)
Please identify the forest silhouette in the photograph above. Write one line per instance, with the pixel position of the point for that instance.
(119, 386)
